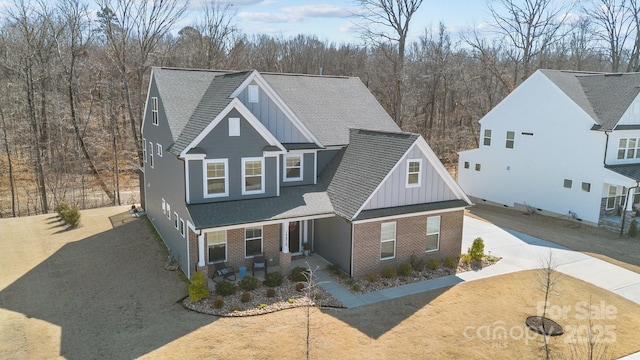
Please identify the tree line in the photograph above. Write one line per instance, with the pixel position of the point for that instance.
(73, 81)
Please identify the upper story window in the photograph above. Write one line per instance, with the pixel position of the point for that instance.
(154, 110)
(511, 137)
(150, 154)
(387, 240)
(234, 126)
(254, 94)
(292, 167)
(253, 176)
(628, 148)
(487, 137)
(413, 172)
(217, 181)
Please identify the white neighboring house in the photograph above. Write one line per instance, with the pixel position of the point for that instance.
(563, 142)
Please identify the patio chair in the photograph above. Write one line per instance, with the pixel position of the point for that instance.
(223, 271)
(259, 263)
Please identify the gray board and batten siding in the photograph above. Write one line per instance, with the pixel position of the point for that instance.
(393, 192)
(219, 145)
(332, 241)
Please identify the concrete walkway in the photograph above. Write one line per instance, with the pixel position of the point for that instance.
(519, 252)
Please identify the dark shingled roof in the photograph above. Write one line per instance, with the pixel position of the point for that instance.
(605, 97)
(369, 157)
(632, 171)
(408, 209)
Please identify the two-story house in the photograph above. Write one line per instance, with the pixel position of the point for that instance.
(562, 143)
(237, 163)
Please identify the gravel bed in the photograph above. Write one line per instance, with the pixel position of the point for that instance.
(286, 297)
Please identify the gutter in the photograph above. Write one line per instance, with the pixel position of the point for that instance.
(624, 210)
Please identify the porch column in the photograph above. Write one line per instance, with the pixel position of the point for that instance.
(305, 231)
(201, 250)
(285, 237)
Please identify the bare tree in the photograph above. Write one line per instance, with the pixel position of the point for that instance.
(393, 15)
(548, 279)
(9, 163)
(612, 25)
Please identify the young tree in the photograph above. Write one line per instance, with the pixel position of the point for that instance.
(548, 279)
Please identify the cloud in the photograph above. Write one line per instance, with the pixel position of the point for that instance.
(291, 14)
(266, 17)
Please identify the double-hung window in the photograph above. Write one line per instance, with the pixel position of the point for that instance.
(293, 167)
(144, 150)
(413, 172)
(182, 232)
(511, 139)
(252, 176)
(159, 148)
(168, 211)
(611, 199)
(487, 137)
(433, 233)
(387, 240)
(217, 181)
(176, 221)
(154, 110)
(216, 246)
(252, 241)
(150, 154)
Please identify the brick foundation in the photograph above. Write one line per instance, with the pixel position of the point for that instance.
(410, 239)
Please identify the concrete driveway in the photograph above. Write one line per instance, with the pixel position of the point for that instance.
(523, 252)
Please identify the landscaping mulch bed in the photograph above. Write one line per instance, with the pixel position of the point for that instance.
(544, 326)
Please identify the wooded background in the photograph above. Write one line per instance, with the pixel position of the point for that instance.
(73, 81)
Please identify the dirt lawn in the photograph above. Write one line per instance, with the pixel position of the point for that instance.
(100, 292)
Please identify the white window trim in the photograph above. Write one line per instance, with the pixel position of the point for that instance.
(395, 232)
(485, 137)
(513, 141)
(246, 256)
(284, 168)
(159, 149)
(609, 196)
(164, 206)
(144, 150)
(168, 211)
(439, 233)
(226, 246)
(253, 94)
(176, 221)
(151, 162)
(182, 228)
(419, 161)
(262, 176)
(234, 126)
(154, 111)
(226, 178)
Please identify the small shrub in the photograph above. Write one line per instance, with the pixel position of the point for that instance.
(198, 287)
(291, 300)
(405, 269)
(271, 292)
(372, 276)
(218, 303)
(299, 273)
(633, 228)
(262, 306)
(433, 264)
(62, 208)
(477, 249)
(245, 297)
(299, 286)
(72, 217)
(416, 262)
(355, 288)
(249, 283)
(465, 259)
(317, 296)
(225, 288)
(235, 308)
(273, 279)
(450, 262)
(388, 272)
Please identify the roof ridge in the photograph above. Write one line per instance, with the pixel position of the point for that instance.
(308, 75)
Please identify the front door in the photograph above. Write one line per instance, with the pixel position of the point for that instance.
(294, 237)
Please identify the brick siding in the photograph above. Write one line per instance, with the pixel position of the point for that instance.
(410, 239)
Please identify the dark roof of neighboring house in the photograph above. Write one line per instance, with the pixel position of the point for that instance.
(330, 105)
(604, 96)
(632, 171)
(367, 160)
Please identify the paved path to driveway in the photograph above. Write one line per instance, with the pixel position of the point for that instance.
(519, 252)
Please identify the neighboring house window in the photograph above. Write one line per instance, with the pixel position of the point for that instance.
(168, 211)
(511, 137)
(293, 167)
(568, 183)
(252, 241)
(217, 183)
(387, 240)
(164, 206)
(487, 137)
(628, 149)
(586, 186)
(466, 164)
(144, 150)
(150, 154)
(159, 149)
(216, 246)
(477, 167)
(433, 233)
(253, 94)
(611, 199)
(252, 175)
(154, 110)
(176, 221)
(182, 232)
(234, 126)
(413, 172)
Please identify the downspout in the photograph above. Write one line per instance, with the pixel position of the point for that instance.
(624, 210)
(606, 147)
